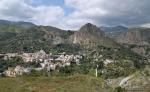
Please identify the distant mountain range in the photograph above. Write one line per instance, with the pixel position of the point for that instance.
(26, 36)
(113, 32)
(20, 36)
(137, 36)
(19, 24)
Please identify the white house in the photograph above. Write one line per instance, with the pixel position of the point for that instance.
(108, 61)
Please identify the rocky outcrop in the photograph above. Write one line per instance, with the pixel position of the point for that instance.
(138, 81)
(88, 34)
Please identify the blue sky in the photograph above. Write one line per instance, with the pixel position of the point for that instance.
(60, 3)
(72, 14)
(48, 2)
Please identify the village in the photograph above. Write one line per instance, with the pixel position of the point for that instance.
(47, 62)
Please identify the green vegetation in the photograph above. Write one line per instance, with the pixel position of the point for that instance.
(13, 62)
(19, 39)
(119, 89)
(4, 64)
(68, 48)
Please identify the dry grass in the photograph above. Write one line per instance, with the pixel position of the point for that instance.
(76, 83)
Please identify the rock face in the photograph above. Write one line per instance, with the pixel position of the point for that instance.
(90, 34)
(137, 36)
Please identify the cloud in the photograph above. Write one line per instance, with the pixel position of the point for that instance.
(21, 10)
(14, 9)
(147, 25)
(48, 15)
(99, 12)
(109, 12)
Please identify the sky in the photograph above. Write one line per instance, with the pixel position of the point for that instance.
(72, 14)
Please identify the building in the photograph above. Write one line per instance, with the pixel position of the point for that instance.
(17, 71)
(31, 57)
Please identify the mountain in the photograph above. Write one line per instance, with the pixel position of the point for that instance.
(20, 38)
(90, 34)
(27, 37)
(113, 32)
(24, 24)
(17, 24)
(137, 36)
(9, 29)
(17, 37)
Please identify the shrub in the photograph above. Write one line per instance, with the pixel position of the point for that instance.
(119, 89)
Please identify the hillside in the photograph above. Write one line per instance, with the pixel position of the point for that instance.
(17, 24)
(30, 39)
(76, 83)
(137, 39)
(136, 82)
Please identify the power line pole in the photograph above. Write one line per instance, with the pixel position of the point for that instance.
(96, 73)
(143, 47)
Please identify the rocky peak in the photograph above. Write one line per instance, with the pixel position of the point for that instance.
(88, 25)
(91, 29)
(121, 27)
(91, 35)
